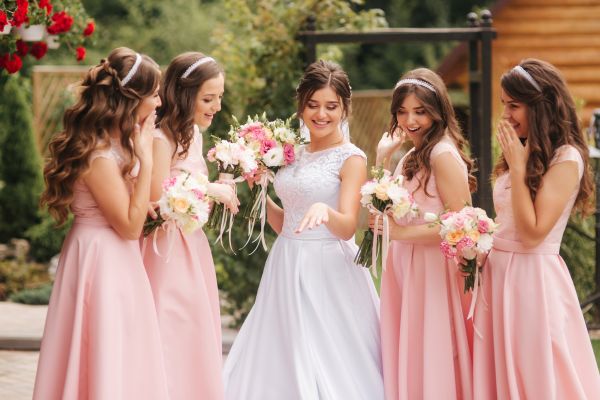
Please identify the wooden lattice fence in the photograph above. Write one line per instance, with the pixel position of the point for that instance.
(52, 93)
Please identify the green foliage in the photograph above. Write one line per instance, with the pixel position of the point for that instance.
(35, 296)
(20, 166)
(46, 238)
(256, 44)
(161, 29)
(16, 275)
(380, 65)
(578, 249)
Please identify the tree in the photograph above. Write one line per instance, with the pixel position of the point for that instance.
(20, 169)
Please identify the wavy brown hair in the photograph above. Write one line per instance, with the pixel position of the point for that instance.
(439, 108)
(104, 105)
(553, 122)
(179, 95)
(319, 75)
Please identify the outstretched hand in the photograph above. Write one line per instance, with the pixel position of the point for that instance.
(316, 215)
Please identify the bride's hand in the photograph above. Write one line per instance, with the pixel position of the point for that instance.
(316, 215)
(388, 144)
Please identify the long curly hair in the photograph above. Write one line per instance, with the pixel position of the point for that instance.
(553, 122)
(179, 95)
(104, 105)
(439, 108)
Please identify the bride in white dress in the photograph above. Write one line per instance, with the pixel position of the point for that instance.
(313, 333)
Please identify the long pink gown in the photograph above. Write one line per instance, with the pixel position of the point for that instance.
(185, 291)
(424, 335)
(531, 340)
(101, 339)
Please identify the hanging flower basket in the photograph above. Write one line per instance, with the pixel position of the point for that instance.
(32, 33)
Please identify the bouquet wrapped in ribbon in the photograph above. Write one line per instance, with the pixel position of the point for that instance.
(383, 196)
(184, 204)
(275, 145)
(466, 235)
(235, 161)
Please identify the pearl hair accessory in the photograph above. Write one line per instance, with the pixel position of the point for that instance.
(195, 65)
(418, 82)
(133, 70)
(521, 71)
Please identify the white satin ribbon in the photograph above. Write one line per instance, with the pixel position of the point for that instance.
(227, 217)
(260, 204)
(385, 240)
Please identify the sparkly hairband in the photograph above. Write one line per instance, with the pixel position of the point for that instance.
(195, 65)
(133, 70)
(415, 82)
(521, 71)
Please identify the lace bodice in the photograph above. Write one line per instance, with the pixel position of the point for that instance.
(503, 201)
(314, 177)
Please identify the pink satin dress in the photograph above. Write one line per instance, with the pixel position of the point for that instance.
(185, 291)
(531, 340)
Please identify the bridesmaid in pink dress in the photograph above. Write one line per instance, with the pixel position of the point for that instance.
(531, 340)
(183, 275)
(101, 339)
(424, 336)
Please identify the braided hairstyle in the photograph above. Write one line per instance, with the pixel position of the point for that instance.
(105, 104)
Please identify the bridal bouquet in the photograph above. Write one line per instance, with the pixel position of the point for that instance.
(235, 161)
(275, 145)
(383, 196)
(466, 234)
(184, 201)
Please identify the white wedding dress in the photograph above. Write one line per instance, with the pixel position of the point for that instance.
(313, 333)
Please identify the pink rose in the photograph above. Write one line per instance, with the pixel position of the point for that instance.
(483, 226)
(464, 243)
(288, 153)
(198, 193)
(267, 145)
(447, 250)
(169, 183)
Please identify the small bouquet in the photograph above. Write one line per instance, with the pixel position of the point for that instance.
(383, 195)
(184, 201)
(466, 234)
(275, 144)
(235, 161)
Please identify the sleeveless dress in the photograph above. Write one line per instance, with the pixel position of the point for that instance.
(532, 342)
(424, 334)
(184, 284)
(101, 339)
(313, 332)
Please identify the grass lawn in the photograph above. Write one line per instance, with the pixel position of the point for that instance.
(596, 346)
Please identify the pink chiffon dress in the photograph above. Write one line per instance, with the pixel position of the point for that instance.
(424, 335)
(184, 283)
(101, 339)
(531, 340)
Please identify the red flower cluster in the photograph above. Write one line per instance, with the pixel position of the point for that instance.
(80, 52)
(61, 22)
(46, 4)
(3, 20)
(89, 29)
(22, 48)
(39, 50)
(20, 15)
(11, 62)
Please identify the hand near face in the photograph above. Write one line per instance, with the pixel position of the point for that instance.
(515, 153)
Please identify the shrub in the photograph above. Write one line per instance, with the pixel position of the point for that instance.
(35, 296)
(46, 238)
(17, 275)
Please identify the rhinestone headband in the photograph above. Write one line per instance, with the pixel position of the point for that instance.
(195, 65)
(415, 82)
(521, 71)
(133, 70)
